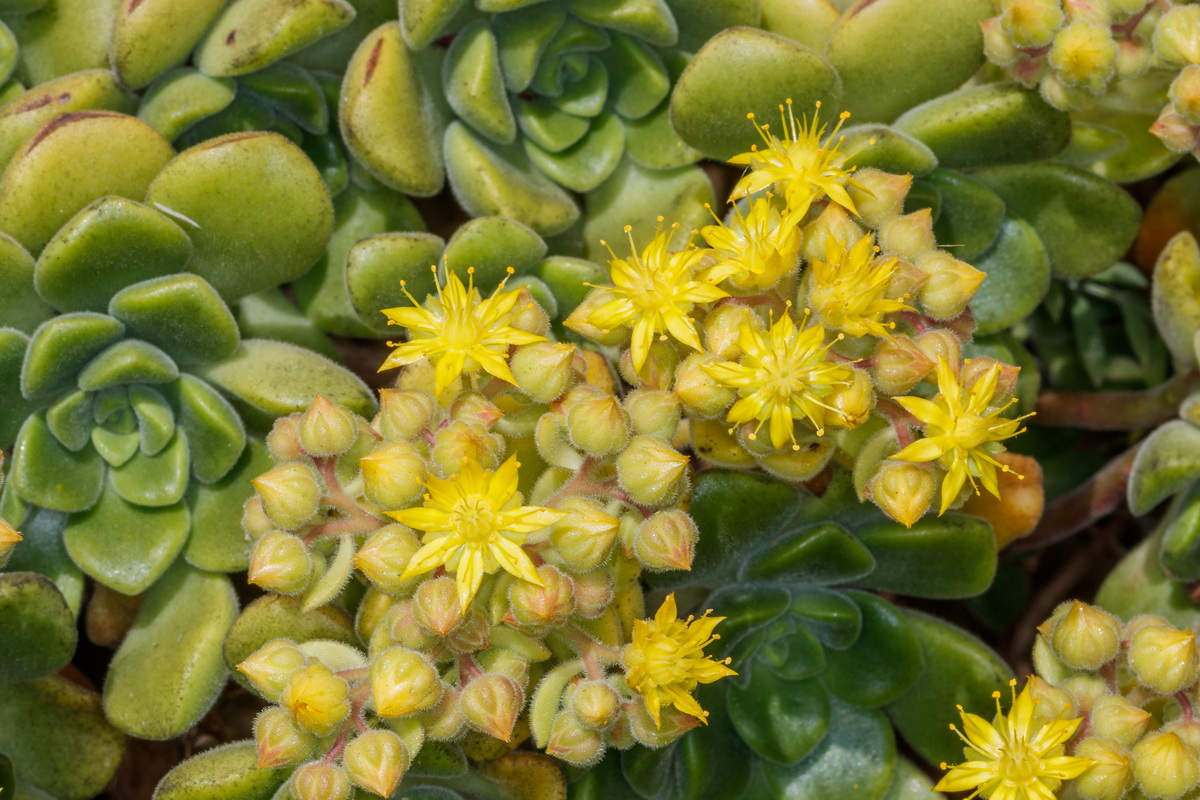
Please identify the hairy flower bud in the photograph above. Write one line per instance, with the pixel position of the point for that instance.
(1115, 718)
(474, 407)
(404, 414)
(835, 224)
(280, 563)
(1086, 637)
(254, 520)
(672, 724)
(584, 537)
(852, 402)
(491, 703)
(320, 781)
(444, 720)
(578, 319)
(403, 682)
(291, 494)
(504, 662)
(595, 704)
(700, 392)
(435, 605)
(283, 442)
(723, 329)
(316, 699)
(1177, 36)
(393, 475)
(903, 491)
(463, 441)
(544, 370)
(997, 45)
(598, 426)
(661, 360)
(529, 316)
(545, 605)
(900, 365)
(270, 667)
(406, 631)
(1050, 703)
(593, 593)
(941, 345)
(950, 286)
(1031, 23)
(654, 413)
(279, 742)
(1111, 773)
(384, 556)
(881, 196)
(8, 541)
(327, 429)
(975, 369)
(1175, 132)
(1164, 659)
(574, 742)
(666, 540)
(1134, 57)
(1084, 54)
(1165, 766)
(376, 761)
(1185, 94)
(651, 471)
(909, 235)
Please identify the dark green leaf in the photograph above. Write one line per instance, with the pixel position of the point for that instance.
(832, 616)
(822, 554)
(71, 421)
(217, 542)
(62, 346)
(1089, 338)
(745, 608)
(780, 720)
(42, 551)
(711, 762)
(647, 770)
(36, 626)
(214, 432)
(154, 481)
(950, 556)
(14, 408)
(49, 475)
(438, 760)
(1137, 585)
(1018, 276)
(181, 314)
(1168, 460)
(883, 662)
(971, 214)
(21, 307)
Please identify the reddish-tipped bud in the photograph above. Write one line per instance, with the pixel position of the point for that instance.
(595, 704)
(573, 742)
(699, 391)
(654, 413)
(404, 414)
(376, 761)
(909, 235)
(473, 633)
(474, 407)
(651, 471)
(291, 494)
(283, 442)
(1134, 57)
(504, 662)
(661, 360)
(942, 345)
(593, 593)
(327, 429)
(320, 781)
(1185, 94)
(584, 538)
(1175, 132)
(435, 605)
(997, 45)
(254, 520)
(900, 365)
(723, 329)
(280, 563)
(279, 742)
(598, 426)
(666, 540)
(406, 631)
(950, 286)
(881, 197)
(270, 667)
(384, 557)
(491, 703)
(545, 605)
(544, 370)
(403, 682)
(529, 316)
(834, 223)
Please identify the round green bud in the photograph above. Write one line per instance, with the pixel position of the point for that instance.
(291, 494)
(878, 195)
(1164, 659)
(598, 426)
(1086, 637)
(595, 704)
(462, 441)
(436, 607)
(393, 475)
(283, 442)
(908, 235)
(1111, 774)
(278, 742)
(1164, 765)
(573, 742)
(654, 413)
(651, 471)
(950, 284)
(543, 606)
(270, 667)
(544, 370)
(281, 563)
(320, 781)
(1113, 717)
(491, 704)
(701, 393)
(899, 365)
(404, 414)
(1177, 36)
(384, 556)
(327, 429)
(666, 540)
(903, 491)
(593, 593)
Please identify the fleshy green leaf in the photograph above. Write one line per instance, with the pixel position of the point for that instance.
(1018, 277)
(214, 431)
(115, 447)
(218, 543)
(711, 762)
(228, 772)
(14, 408)
(637, 78)
(268, 379)
(522, 38)
(49, 475)
(270, 314)
(375, 267)
(1179, 553)
(832, 616)
(1169, 460)
(745, 608)
(60, 347)
(156, 481)
(251, 34)
(781, 720)
(254, 206)
(882, 663)
(168, 671)
(151, 37)
(648, 20)
(181, 314)
(62, 37)
(156, 420)
(181, 98)
(126, 547)
(971, 215)
(883, 147)
(126, 362)
(1175, 296)
(491, 245)
(950, 556)
(566, 277)
(294, 91)
(820, 554)
(56, 733)
(547, 126)
(42, 551)
(20, 305)
(584, 165)
(474, 84)
(1138, 585)
(422, 21)
(36, 625)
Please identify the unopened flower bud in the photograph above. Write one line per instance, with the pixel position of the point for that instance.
(1111, 772)
(445, 719)
(1134, 57)
(942, 345)
(1175, 132)
(1085, 689)
(385, 555)
(598, 426)
(1086, 637)
(900, 365)
(1164, 659)
(997, 46)
(651, 471)
(1115, 718)
(472, 633)
(584, 537)
(852, 402)
(393, 475)
(1050, 703)
(283, 442)
(403, 682)
(279, 742)
(9, 536)
(529, 316)
(545, 605)
(1046, 662)
(903, 491)
(254, 520)
(881, 197)
(404, 414)
(975, 369)
(593, 593)
(1064, 96)
(834, 223)
(1132, 627)
(654, 413)
(699, 391)
(573, 742)
(316, 699)
(951, 284)
(1031, 23)
(270, 667)
(666, 540)
(435, 605)
(909, 235)
(672, 724)
(474, 407)
(1177, 36)
(327, 429)
(544, 370)
(320, 781)
(553, 445)
(291, 494)
(376, 761)
(504, 662)
(595, 704)
(1187, 730)
(1164, 765)
(463, 441)
(406, 631)
(723, 329)
(491, 703)
(372, 612)
(280, 563)
(1084, 54)
(657, 370)
(578, 319)
(1185, 94)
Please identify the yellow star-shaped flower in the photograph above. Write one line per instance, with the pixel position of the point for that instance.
(783, 375)
(473, 526)
(459, 332)
(665, 661)
(960, 433)
(758, 250)
(849, 289)
(1012, 758)
(799, 166)
(653, 294)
